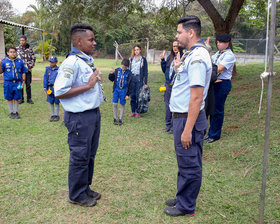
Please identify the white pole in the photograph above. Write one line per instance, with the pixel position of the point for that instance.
(268, 110)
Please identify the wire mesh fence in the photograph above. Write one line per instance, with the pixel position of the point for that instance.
(245, 50)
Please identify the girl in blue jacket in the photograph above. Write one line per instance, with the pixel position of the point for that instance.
(139, 69)
(167, 69)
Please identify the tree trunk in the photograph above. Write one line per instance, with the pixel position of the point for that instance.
(222, 25)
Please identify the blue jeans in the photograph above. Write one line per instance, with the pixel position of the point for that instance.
(168, 114)
(135, 94)
(221, 90)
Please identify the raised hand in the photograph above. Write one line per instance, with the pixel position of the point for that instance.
(177, 62)
(162, 55)
(112, 70)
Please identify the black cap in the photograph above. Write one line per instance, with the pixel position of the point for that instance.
(224, 37)
(125, 62)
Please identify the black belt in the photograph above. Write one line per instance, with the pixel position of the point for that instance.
(134, 74)
(180, 115)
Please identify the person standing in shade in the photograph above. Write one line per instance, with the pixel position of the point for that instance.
(139, 69)
(193, 72)
(26, 54)
(224, 59)
(78, 88)
(168, 70)
(48, 82)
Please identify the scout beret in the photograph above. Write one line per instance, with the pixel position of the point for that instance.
(223, 38)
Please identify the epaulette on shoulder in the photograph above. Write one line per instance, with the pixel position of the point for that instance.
(70, 60)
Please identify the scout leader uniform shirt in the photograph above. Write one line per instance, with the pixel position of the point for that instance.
(13, 69)
(74, 72)
(195, 70)
(227, 59)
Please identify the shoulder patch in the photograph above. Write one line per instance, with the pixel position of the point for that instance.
(68, 70)
(196, 61)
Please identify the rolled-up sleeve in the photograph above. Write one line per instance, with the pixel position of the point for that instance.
(64, 79)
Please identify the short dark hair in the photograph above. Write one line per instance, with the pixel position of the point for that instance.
(125, 62)
(23, 36)
(80, 27)
(11, 47)
(191, 22)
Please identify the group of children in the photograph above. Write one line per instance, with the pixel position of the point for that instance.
(14, 76)
(14, 72)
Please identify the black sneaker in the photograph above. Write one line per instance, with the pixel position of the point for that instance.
(120, 122)
(171, 202)
(56, 118)
(211, 140)
(88, 202)
(16, 115)
(30, 101)
(12, 116)
(173, 211)
(93, 194)
(166, 129)
(52, 118)
(21, 101)
(115, 122)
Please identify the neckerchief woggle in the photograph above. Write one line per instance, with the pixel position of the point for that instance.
(199, 43)
(90, 63)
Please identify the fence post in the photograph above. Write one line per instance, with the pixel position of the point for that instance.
(147, 46)
(116, 45)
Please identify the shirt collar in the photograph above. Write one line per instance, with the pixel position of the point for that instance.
(76, 50)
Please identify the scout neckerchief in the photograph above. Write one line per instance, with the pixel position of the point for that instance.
(199, 43)
(122, 80)
(220, 53)
(14, 69)
(79, 54)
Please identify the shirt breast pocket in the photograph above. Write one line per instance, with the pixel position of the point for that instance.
(85, 78)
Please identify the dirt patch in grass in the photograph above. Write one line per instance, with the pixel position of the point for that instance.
(239, 152)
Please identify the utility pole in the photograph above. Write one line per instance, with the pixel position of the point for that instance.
(268, 110)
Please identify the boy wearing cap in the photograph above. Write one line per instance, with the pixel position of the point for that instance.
(121, 88)
(49, 79)
(14, 77)
(224, 59)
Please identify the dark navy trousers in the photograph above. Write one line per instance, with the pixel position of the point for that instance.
(221, 90)
(168, 114)
(83, 138)
(28, 80)
(135, 93)
(189, 163)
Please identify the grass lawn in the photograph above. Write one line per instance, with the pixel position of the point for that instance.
(136, 166)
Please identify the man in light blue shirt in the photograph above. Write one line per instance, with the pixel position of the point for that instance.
(193, 72)
(78, 88)
(224, 59)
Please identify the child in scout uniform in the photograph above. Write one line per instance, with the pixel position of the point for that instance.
(121, 88)
(49, 78)
(14, 77)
